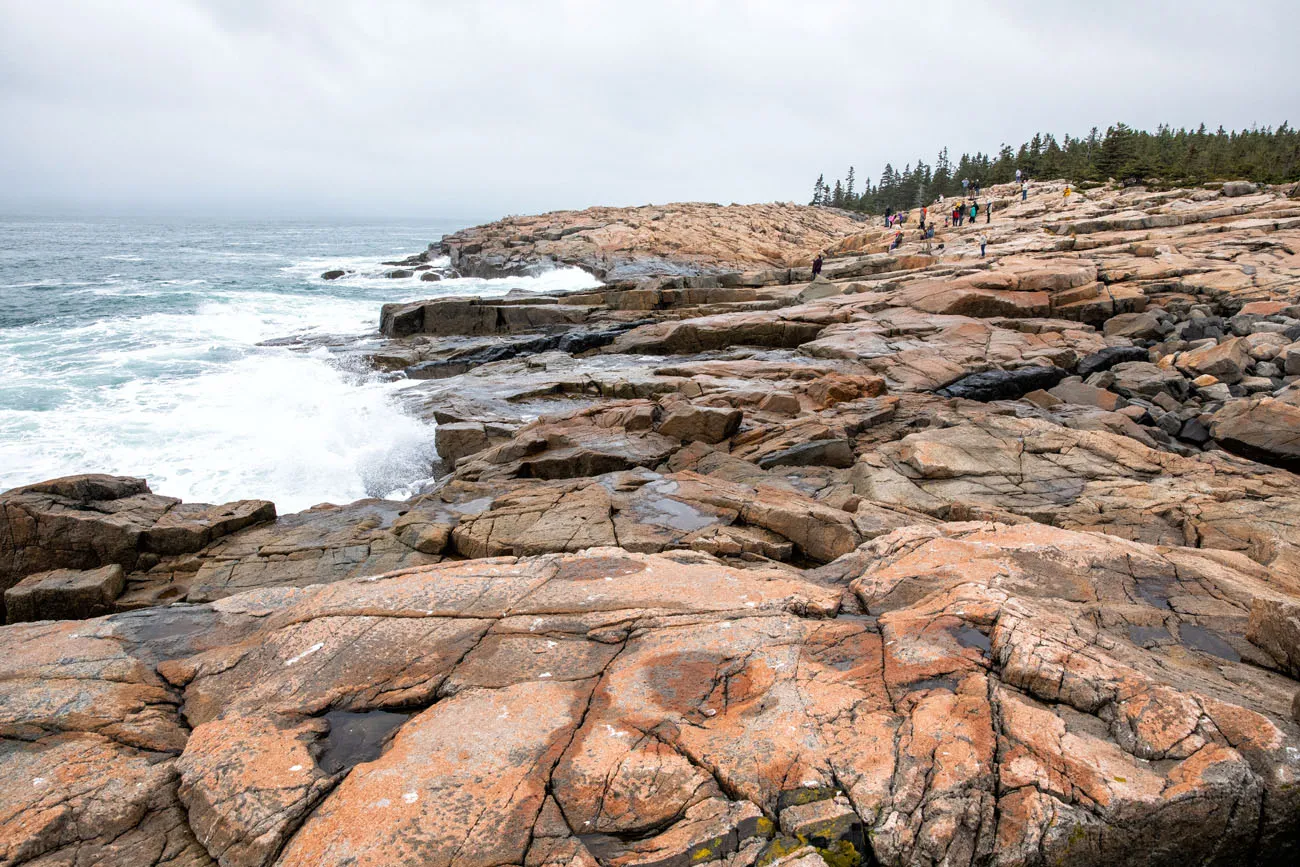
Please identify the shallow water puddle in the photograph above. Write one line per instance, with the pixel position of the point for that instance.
(1202, 639)
(356, 737)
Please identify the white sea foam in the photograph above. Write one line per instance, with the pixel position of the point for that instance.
(366, 272)
(274, 425)
(189, 401)
(142, 358)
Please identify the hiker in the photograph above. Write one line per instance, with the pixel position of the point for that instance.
(1067, 194)
(947, 220)
(817, 266)
(889, 213)
(956, 215)
(977, 189)
(1024, 191)
(988, 210)
(974, 212)
(984, 241)
(924, 211)
(964, 185)
(898, 242)
(1017, 175)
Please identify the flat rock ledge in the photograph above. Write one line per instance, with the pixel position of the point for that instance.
(931, 560)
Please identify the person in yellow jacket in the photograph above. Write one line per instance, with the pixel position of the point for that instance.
(1067, 192)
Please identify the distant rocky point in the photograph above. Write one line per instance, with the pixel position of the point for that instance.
(682, 239)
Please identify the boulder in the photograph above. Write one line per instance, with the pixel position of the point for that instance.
(704, 424)
(1003, 384)
(835, 388)
(1275, 626)
(1266, 429)
(820, 287)
(780, 403)
(1290, 357)
(457, 440)
(818, 453)
(88, 521)
(65, 594)
(1144, 379)
(1226, 361)
(333, 274)
(1107, 358)
(1135, 326)
(1232, 189)
(1073, 391)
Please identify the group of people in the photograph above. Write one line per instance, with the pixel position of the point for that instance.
(961, 212)
(967, 209)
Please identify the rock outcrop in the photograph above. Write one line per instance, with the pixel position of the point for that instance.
(937, 559)
(654, 240)
(87, 522)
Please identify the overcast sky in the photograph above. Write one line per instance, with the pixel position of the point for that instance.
(335, 108)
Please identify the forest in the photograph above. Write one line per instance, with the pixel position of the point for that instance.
(1164, 158)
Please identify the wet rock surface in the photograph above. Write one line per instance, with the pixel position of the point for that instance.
(938, 559)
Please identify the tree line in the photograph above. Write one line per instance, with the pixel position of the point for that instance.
(1167, 156)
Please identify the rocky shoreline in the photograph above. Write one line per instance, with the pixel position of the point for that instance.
(934, 559)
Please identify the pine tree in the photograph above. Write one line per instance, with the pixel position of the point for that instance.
(1167, 156)
(1118, 150)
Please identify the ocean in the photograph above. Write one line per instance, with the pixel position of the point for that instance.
(132, 347)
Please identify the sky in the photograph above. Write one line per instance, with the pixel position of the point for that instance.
(402, 108)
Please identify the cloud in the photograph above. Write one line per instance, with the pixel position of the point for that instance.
(336, 108)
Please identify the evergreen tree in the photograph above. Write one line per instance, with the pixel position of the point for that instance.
(1167, 156)
(1118, 151)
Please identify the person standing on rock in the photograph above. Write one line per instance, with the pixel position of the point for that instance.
(924, 211)
(1017, 175)
(1067, 194)
(817, 266)
(988, 210)
(984, 242)
(974, 212)
(965, 184)
(1024, 191)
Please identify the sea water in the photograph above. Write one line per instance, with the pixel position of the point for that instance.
(133, 347)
